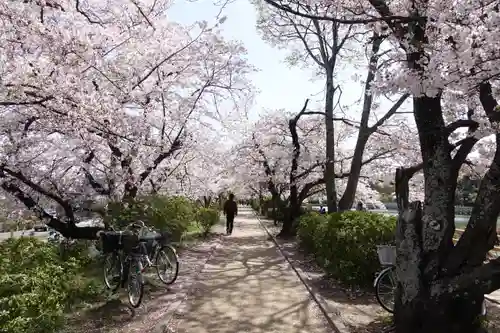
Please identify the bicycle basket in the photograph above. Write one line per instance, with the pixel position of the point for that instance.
(116, 240)
(386, 254)
(110, 241)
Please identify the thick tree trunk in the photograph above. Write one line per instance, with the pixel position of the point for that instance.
(419, 308)
(275, 206)
(289, 228)
(427, 315)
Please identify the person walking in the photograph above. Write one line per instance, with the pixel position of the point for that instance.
(230, 210)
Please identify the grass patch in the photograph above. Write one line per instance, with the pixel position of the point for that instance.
(193, 227)
(193, 233)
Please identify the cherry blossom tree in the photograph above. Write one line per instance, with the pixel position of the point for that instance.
(207, 175)
(449, 65)
(105, 99)
(327, 47)
(285, 152)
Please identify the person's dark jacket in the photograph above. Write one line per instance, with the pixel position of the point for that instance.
(230, 208)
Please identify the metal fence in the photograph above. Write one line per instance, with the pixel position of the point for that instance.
(459, 210)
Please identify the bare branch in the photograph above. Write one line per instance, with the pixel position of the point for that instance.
(37, 102)
(472, 124)
(384, 18)
(390, 113)
(143, 14)
(86, 15)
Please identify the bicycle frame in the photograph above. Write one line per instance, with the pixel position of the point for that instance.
(126, 266)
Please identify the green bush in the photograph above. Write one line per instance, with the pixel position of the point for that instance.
(37, 286)
(255, 205)
(308, 224)
(207, 219)
(345, 244)
(170, 214)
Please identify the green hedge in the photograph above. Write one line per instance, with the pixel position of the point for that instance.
(207, 219)
(170, 214)
(345, 244)
(254, 203)
(281, 213)
(37, 286)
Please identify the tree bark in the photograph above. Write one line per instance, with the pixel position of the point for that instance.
(68, 229)
(275, 204)
(329, 173)
(428, 315)
(417, 308)
(347, 199)
(207, 201)
(292, 213)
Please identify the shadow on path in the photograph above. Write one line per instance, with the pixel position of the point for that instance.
(352, 307)
(248, 286)
(159, 300)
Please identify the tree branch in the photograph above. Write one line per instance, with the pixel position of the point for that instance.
(389, 113)
(87, 16)
(35, 102)
(472, 124)
(308, 187)
(176, 145)
(480, 233)
(395, 18)
(68, 210)
(68, 230)
(99, 188)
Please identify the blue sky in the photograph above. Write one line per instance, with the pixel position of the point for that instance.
(280, 86)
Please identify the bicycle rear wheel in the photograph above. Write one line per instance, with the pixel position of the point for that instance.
(167, 264)
(135, 285)
(112, 271)
(385, 287)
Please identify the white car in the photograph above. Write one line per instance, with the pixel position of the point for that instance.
(95, 222)
(376, 207)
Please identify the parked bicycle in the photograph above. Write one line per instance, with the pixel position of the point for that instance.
(385, 281)
(157, 253)
(127, 257)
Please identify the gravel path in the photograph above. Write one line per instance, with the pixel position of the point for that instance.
(247, 286)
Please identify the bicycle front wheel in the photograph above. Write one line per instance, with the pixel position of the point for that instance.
(135, 287)
(112, 271)
(385, 287)
(167, 264)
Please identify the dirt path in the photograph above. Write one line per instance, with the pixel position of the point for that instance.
(159, 303)
(247, 286)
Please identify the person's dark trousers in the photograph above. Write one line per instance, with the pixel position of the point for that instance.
(229, 224)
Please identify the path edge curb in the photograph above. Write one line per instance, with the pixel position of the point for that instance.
(162, 325)
(335, 325)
